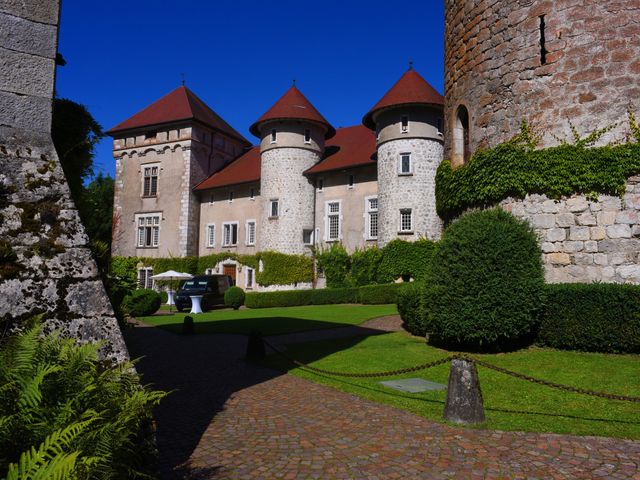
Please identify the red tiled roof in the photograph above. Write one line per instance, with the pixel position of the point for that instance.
(178, 105)
(293, 105)
(411, 89)
(244, 169)
(351, 147)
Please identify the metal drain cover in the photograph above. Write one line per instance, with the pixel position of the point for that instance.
(414, 385)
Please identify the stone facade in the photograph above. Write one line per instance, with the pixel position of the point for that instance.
(415, 191)
(282, 179)
(46, 266)
(586, 240)
(495, 68)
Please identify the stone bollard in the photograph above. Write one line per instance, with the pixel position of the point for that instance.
(255, 346)
(464, 397)
(188, 328)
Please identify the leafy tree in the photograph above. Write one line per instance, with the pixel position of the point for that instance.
(75, 135)
(96, 208)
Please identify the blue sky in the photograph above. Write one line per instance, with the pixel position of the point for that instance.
(241, 56)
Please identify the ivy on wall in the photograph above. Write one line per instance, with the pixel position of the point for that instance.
(515, 169)
(278, 268)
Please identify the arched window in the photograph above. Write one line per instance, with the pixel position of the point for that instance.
(461, 149)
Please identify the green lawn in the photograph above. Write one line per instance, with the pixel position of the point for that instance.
(510, 403)
(274, 321)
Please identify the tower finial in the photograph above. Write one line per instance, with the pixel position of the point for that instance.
(410, 64)
(294, 82)
(183, 79)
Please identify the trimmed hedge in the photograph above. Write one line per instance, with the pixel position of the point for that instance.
(368, 295)
(405, 259)
(234, 297)
(486, 285)
(410, 309)
(141, 303)
(592, 317)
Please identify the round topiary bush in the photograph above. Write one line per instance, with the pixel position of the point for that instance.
(140, 303)
(234, 297)
(486, 287)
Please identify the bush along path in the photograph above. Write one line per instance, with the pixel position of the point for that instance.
(240, 420)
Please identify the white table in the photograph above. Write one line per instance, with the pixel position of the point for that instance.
(170, 300)
(195, 303)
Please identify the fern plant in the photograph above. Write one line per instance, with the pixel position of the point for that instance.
(65, 414)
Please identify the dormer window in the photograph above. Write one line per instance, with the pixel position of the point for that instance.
(307, 135)
(274, 135)
(150, 135)
(230, 196)
(352, 180)
(404, 124)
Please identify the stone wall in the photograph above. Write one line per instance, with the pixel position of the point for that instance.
(415, 191)
(493, 67)
(586, 240)
(45, 264)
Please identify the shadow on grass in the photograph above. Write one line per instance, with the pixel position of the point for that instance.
(204, 371)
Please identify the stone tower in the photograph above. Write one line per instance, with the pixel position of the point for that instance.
(46, 267)
(408, 125)
(540, 61)
(292, 134)
(161, 153)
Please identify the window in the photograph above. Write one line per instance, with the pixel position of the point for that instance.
(377, 132)
(250, 275)
(229, 234)
(150, 185)
(406, 223)
(352, 180)
(405, 164)
(320, 184)
(211, 235)
(273, 209)
(404, 124)
(150, 135)
(439, 126)
(211, 198)
(307, 135)
(252, 194)
(307, 236)
(144, 277)
(332, 223)
(230, 196)
(251, 232)
(543, 48)
(148, 230)
(461, 150)
(371, 218)
(274, 135)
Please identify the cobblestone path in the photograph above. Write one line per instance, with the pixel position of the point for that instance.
(233, 420)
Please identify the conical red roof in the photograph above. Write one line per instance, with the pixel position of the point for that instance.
(411, 89)
(178, 105)
(293, 105)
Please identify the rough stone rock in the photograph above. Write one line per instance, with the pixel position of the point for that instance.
(579, 233)
(565, 219)
(464, 402)
(619, 231)
(578, 204)
(556, 234)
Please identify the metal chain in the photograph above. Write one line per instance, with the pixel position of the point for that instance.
(547, 383)
(390, 373)
(424, 366)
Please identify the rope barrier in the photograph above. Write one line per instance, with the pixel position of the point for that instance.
(424, 366)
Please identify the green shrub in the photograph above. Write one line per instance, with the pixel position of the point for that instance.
(164, 297)
(592, 317)
(141, 303)
(364, 266)
(336, 264)
(56, 397)
(486, 287)
(410, 308)
(234, 297)
(381, 294)
(515, 169)
(291, 298)
(282, 269)
(401, 259)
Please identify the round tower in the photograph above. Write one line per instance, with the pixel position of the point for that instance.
(408, 125)
(543, 62)
(292, 134)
